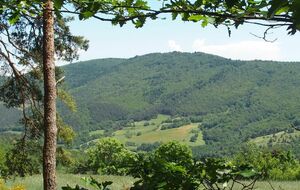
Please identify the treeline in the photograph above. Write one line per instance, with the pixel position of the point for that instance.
(109, 156)
(173, 83)
(175, 123)
(170, 165)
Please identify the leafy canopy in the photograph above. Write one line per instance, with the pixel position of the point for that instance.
(268, 13)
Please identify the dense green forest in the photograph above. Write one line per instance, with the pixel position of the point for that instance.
(237, 101)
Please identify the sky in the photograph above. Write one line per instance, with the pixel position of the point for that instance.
(107, 40)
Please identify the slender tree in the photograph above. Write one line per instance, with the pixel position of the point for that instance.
(30, 37)
(50, 128)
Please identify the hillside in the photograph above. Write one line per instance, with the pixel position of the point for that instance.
(236, 100)
(9, 118)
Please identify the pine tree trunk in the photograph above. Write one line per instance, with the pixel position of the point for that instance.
(50, 128)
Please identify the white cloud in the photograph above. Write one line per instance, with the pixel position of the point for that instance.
(174, 46)
(244, 50)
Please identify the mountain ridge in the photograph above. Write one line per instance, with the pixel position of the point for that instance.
(240, 99)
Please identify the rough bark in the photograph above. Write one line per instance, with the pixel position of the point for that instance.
(50, 128)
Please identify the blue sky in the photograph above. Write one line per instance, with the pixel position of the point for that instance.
(167, 35)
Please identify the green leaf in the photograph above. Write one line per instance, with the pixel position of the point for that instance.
(231, 3)
(14, 18)
(248, 173)
(129, 2)
(275, 6)
(67, 99)
(86, 15)
(106, 183)
(185, 16)
(141, 3)
(138, 24)
(174, 15)
(161, 185)
(282, 10)
(58, 4)
(204, 23)
(195, 18)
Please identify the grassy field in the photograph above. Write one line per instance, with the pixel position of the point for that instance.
(125, 182)
(152, 132)
(277, 138)
(35, 182)
(181, 134)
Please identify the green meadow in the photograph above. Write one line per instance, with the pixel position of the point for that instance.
(125, 182)
(150, 131)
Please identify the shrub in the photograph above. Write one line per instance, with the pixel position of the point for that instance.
(15, 187)
(109, 156)
(174, 152)
(165, 168)
(139, 133)
(194, 137)
(171, 166)
(64, 157)
(147, 147)
(91, 181)
(129, 143)
(24, 158)
(275, 164)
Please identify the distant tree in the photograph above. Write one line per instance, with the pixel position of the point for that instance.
(139, 133)
(147, 147)
(274, 164)
(175, 152)
(146, 124)
(109, 156)
(194, 138)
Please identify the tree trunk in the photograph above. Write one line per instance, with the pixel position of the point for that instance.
(50, 128)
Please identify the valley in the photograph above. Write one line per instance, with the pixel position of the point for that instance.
(235, 102)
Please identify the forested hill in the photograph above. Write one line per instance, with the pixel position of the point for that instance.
(240, 99)
(184, 84)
